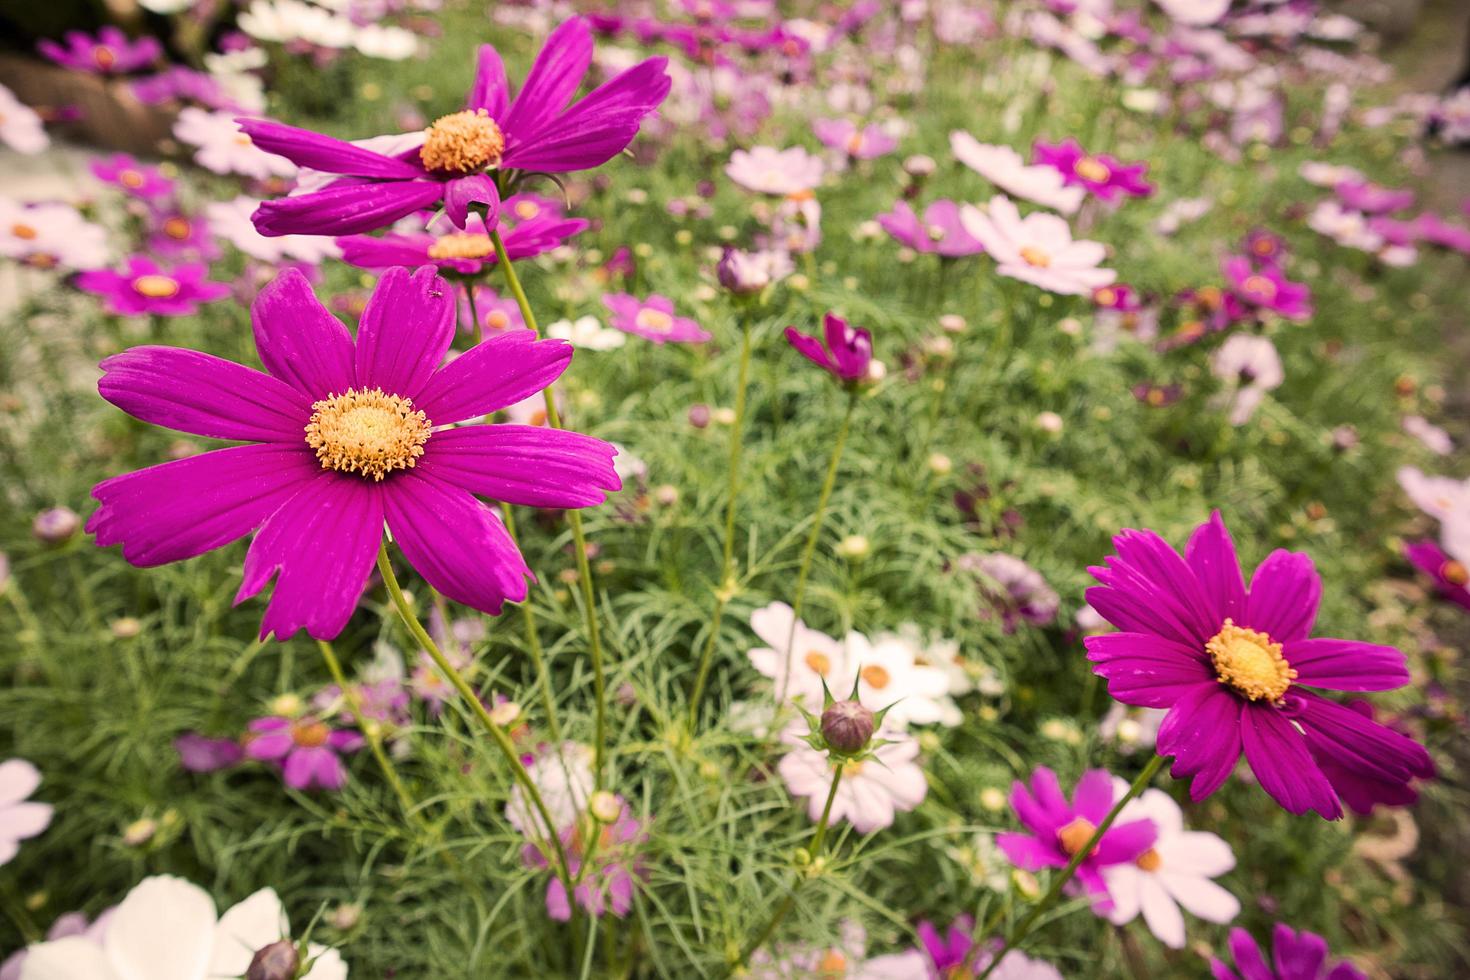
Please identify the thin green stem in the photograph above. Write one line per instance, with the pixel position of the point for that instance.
(472, 699)
(538, 653)
(574, 517)
(726, 590)
(369, 729)
(1023, 929)
(475, 333)
(809, 550)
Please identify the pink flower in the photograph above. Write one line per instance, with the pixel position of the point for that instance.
(306, 748)
(1250, 367)
(222, 148)
(941, 232)
(1296, 956)
(1451, 578)
(1005, 168)
(1106, 177)
(608, 883)
(200, 753)
(848, 354)
(767, 170)
(1194, 13)
(110, 52)
(51, 236)
(1370, 198)
(470, 250)
(20, 128)
(653, 319)
(19, 819)
(859, 143)
(143, 287)
(1254, 290)
(134, 178)
(1037, 249)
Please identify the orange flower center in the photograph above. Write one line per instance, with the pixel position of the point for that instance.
(497, 320)
(1093, 169)
(1106, 296)
(833, 966)
(526, 210)
(1454, 573)
(1074, 836)
(177, 228)
(1250, 662)
(367, 431)
(462, 142)
(23, 232)
(876, 677)
(1264, 247)
(818, 662)
(156, 286)
(1035, 257)
(309, 734)
(461, 245)
(130, 178)
(104, 56)
(1259, 286)
(656, 320)
(1149, 860)
(41, 261)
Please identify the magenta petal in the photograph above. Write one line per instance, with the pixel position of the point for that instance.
(1092, 797)
(1283, 597)
(346, 207)
(455, 542)
(300, 766)
(1278, 755)
(1247, 956)
(1028, 853)
(492, 375)
(1124, 841)
(557, 906)
(325, 153)
(203, 394)
(327, 769)
(1032, 814)
(367, 252)
(491, 91)
(1048, 792)
(459, 194)
(405, 331)
(524, 464)
(189, 506)
(323, 542)
(1202, 733)
(595, 129)
(1346, 665)
(1297, 954)
(810, 348)
(1211, 554)
(1146, 670)
(299, 341)
(1353, 740)
(553, 79)
(1175, 581)
(272, 745)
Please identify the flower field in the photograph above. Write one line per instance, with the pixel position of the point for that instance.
(711, 488)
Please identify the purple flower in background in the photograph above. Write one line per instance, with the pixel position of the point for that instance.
(306, 749)
(143, 287)
(951, 955)
(940, 232)
(1106, 177)
(1451, 578)
(1265, 247)
(1059, 829)
(468, 157)
(200, 753)
(653, 319)
(848, 354)
(467, 252)
(136, 179)
(1253, 290)
(1295, 956)
(858, 142)
(608, 884)
(1011, 589)
(1233, 665)
(177, 83)
(111, 52)
(20, 819)
(1370, 198)
(343, 437)
(178, 235)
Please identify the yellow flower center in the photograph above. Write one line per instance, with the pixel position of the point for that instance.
(130, 178)
(104, 56)
(1259, 286)
(1035, 257)
(1264, 247)
(1454, 573)
(461, 245)
(852, 767)
(875, 676)
(854, 144)
(526, 210)
(1155, 397)
(1093, 169)
(1250, 662)
(156, 287)
(818, 662)
(1074, 836)
(656, 320)
(309, 734)
(1105, 296)
(176, 228)
(367, 431)
(24, 232)
(1149, 860)
(462, 142)
(833, 966)
(41, 261)
(497, 320)
(243, 139)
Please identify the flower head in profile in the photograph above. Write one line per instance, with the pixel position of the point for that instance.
(471, 156)
(144, 287)
(1235, 667)
(109, 52)
(1007, 170)
(784, 173)
(20, 818)
(51, 236)
(1294, 956)
(652, 319)
(1056, 830)
(857, 142)
(872, 790)
(345, 436)
(307, 749)
(21, 128)
(844, 351)
(133, 178)
(940, 232)
(1106, 178)
(1255, 290)
(1451, 577)
(1037, 248)
(466, 251)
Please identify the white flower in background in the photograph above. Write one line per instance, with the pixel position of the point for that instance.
(1037, 249)
(1435, 439)
(168, 6)
(1194, 13)
(889, 677)
(1175, 871)
(20, 128)
(564, 780)
(388, 43)
(1179, 213)
(767, 170)
(1005, 168)
(1130, 728)
(587, 332)
(1328, 174)
(20, 819)
(231, 62)
(282, 21)
(1345, 226)
(629, 468)
(872, 792)
(1441, 497)
(230, 220)
(222, 148)
(1250, 367)
(799, 662)
(51, 236)
(165, 929)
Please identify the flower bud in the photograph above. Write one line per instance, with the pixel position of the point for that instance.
(846, 727)
(139, 832)
(741, 274)
(605, 807)
(54, 525)
(699, 416)
(278, 961)
(854, 547)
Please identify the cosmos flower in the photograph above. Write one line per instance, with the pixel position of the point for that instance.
(1265, 247)
(587, 332)
(1254, 290)
(766, 170)
(20, 819)
(1105, 177)
(1037, 249)
(1176, 871)
(797, 662)
(944, 956)
(20, 128)
(1005, 168)
(1234, 666)
(858, 142)
(467, 252)
(471, 156)
(1451, 577)
(306, 748)
(848, 351)
(941, 232)
(607, 884)
(343, 437)
(1370, 198)
(110, 52)
(230, 220)
(1010, 589)
(1250, 367)
(1194, 13)
(497, 314)
(134, 178)
(1345, 226)
(652, 319)
(200, 753)
(747, 273)
(872, 791)
(1059, 829)
(51, 236)
(222, 148)
(1435, 439)
(175, 235)
(143, 287)
(563, 777)
(1295, 956)
(1441, 497)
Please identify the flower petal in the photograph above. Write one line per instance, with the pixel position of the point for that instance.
(18, 780)
(1202, 733)
(325, 153)
(345, 207)
(163, 930)
(492, 375)
(459, 194)
(1346, 665)
(598, 127)
(299, 341)
(491, 91)
(72, 958)
(1283, 597)
(1211, 554)
(1278, 755)
(1146, 670)
(529, 465)
(246, 927)
(405, 331)
(554, 77)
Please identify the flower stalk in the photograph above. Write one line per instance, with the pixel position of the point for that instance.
(369, 729)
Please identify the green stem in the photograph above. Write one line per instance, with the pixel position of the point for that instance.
(805, 568)
(369, 729)
(472, 699)
(726, 589)
(538, 653)
(574, 517)
(475, 334)
(1018, 936)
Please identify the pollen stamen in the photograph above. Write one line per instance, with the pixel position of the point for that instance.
(1035, 257)
(1251, 662)
(462, 142)
(156, 287)
(461, 245)
(367, 431)
(1074, 836)
(1093, 169)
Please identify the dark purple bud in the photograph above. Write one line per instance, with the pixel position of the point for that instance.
(278, 961)
(846, 727)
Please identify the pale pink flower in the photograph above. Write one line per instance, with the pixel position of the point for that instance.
(798, 663)
(1440, 497)
(51, 236)
(1328, 174)
(1037, 249)
(767, 170)
(872, 792)
(1006, 169)
(222, 148)
(20, 819)
(230, 220)
(1250, 367)
(20, 127)
(1194, 13)
(1435, 439)
(563, 777)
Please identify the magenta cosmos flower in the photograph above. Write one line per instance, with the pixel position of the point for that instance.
(468, 251)
(344, 437)
(858, 142)
(1451, 578)
(1255, 289)
(468, 156)
(653, 319)
(848, 354)
(143, 287)
(134, 178)
(1294, 956)
(1059, 830)
(1233, 666)
(940, 233)
(307, 750)
(608, 883)
(111, 52)
(1104, 176)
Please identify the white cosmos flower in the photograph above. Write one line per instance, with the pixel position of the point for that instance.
(798, 662)
(767, 170)
(221, 146)
(564, 780)
(871, 793)
(230, 220)
(1037, 248)
(51, 236)
(1438, 496)
(890, 677)
(20, 128)
(388, 43)
(587, 332)
(1005, 168)
(1250, 367)
(166, 929)
(1194, 13)
(1175, 872)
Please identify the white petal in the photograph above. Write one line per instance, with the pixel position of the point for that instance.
(326, 964)
(163, 930)
(1125, 884)
(72, 958)
(1202, 897)
(18, 780)
(1196, 852)
(21, 820)
(247, 927)
(1163, 917)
